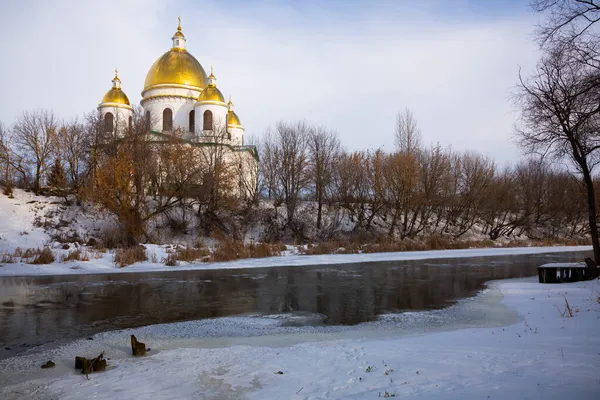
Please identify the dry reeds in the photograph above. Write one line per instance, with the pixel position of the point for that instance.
(45, 256)
(129, 255)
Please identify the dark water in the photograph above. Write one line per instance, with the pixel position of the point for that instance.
(40, 310)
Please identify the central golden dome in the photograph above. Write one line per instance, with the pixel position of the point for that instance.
(176, 67)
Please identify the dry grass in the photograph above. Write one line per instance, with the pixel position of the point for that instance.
(171, 260)
(113, 238)
(7, 259)
(129, 255)
(76, 255)
(191, 254)
(45, 256)
(229, 250)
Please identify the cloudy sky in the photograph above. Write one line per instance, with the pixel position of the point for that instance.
(348, 65)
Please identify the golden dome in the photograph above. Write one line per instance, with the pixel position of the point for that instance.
(176, 67)
(115, 97)
(232, 119)
(211, 94)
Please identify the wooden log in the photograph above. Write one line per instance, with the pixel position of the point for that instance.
(90, 365)
(137, 348)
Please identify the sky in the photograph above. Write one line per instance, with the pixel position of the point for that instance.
(349, 66)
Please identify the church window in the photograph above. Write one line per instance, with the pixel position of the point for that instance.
(208, 121)
(192, 121)
(167, 120)
(109, 122)
(130, 123)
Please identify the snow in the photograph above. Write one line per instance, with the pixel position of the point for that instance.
(538, 354)
(17, 223)
(104, 264)
(563, 265)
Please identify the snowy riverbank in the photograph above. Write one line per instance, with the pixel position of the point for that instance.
(105, 264)
(544, 355)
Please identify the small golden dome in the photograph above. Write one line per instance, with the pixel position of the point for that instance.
(115, 96)
(211, 94)
(233, 120)
(178, 33)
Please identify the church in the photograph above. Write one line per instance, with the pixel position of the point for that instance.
(179, 97)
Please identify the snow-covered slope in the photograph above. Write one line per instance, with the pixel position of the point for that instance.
(17, 217)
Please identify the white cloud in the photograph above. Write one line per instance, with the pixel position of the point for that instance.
(350, 72)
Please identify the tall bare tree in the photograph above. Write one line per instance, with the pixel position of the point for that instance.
(407, 134)
(75, 142)
(560, 117)
(34, 134)
(286, 154)
(323, 146)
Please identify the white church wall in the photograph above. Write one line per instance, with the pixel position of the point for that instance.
(237, 135)
(219, 115)
(180, 107)
(120, 114)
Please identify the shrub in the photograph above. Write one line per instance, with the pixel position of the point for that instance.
(72, 256)
(113, 237)
(228, 250)
(171, 260)
(191, 254)
(44, 257)
(76, 255)
(7, 191)
(7, 259)
(129, 255)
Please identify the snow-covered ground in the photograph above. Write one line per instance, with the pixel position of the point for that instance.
(543, 355)
(105, 264)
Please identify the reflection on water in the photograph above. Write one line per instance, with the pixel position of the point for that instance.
(38, 310)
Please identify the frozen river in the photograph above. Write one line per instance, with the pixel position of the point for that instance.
(46, 310)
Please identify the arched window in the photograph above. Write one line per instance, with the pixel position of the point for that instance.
(130, 123)
(109, 122)
(192, 121)
(167, 120)
(208, 121)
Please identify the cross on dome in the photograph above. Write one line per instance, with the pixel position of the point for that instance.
(178, 38)
(116, 81)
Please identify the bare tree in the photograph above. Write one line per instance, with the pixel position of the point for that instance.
(323, 146)
(568, 20)
(407, 134)
(286, 157)
(560, 118)
(219, 187)
(270, 162)
(122, 179)
(75, 142)
(34, 134)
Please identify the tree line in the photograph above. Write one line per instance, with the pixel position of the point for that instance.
(411, 191)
